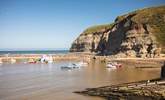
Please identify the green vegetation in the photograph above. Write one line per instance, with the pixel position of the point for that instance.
(97, 28)
(154, 17)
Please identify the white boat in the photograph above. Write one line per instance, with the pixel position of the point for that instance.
(70, 66)
(113, 65)
(43, 58)
(46, 59)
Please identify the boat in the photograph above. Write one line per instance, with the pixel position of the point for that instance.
(113, 65)
(46, 59)
(43, 58)
(70, 66)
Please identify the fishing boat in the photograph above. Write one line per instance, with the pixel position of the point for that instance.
(70, 66)
(46, 59)
(113, 65)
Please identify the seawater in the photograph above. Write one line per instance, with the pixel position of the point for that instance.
(35, 52)
(49, 82)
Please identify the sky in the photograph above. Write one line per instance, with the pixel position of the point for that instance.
(55, 24)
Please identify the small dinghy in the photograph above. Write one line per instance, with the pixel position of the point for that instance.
(70, 66)
(46, 59)
(113, 65)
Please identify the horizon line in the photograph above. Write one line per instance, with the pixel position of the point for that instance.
(31, 49)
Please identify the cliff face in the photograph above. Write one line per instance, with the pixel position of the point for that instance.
(138, 34)
(89, 40)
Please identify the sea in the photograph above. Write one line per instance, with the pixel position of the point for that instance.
(35, 52)
(20, 81)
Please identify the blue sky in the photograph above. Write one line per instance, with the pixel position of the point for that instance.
(55, 24)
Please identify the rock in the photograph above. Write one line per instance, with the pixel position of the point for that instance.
(163, 71)
(157, 52)
(129, 91)
(131, 53)
(132, 34)
(86, 43)
(143, 52)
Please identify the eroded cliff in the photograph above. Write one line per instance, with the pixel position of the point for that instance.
(138, 34)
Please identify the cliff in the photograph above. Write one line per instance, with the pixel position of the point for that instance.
(137, 34)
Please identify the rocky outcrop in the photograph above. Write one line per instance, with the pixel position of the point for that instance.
(144, 90)
(163, 71)
(136, 34)
(86, 43)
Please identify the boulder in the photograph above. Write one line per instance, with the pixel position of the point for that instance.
(163, 71)
(131, 53)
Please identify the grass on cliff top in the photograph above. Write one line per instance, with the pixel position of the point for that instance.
(145, 14)
(97, 28)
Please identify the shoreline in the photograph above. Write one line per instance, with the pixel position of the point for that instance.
(68, 56)
(145, 89)
(83, 56)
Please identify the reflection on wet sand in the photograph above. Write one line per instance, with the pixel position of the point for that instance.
(49, 82)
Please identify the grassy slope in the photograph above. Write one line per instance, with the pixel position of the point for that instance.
(97, 28)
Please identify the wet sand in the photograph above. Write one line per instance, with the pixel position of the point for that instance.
(48, 82)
